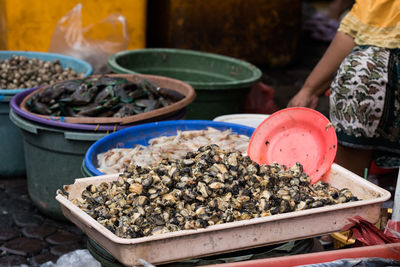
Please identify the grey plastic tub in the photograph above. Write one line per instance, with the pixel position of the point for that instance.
(53, 158)
(12, 156)
(12, 162)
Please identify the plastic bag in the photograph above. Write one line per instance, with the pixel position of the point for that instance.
(76, 258)
(367, 234)
(94, 43)
(260, 99)
(357, 262)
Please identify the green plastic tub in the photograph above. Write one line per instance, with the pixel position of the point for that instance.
(12, 162)
(221, 83)
(53, 158)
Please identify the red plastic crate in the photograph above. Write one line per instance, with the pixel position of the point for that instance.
(391, 251)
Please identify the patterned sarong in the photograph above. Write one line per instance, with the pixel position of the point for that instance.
(365, 102)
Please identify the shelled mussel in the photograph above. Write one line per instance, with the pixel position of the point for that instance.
(207, 187)
(103, 96)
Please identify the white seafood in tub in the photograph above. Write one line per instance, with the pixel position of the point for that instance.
(172, 147)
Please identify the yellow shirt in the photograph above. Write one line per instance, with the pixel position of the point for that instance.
(374, 22)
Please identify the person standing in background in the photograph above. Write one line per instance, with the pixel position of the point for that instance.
(361, 67)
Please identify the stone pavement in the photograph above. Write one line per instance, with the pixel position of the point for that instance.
(27, 236)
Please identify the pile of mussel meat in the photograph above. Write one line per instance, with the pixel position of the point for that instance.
(207, 187)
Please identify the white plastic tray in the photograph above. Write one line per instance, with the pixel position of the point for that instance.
(248, 119)
(186, 244)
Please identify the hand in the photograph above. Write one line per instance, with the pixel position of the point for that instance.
(304, 99)
(320, 78)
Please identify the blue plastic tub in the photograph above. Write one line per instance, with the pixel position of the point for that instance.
(141, 134)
